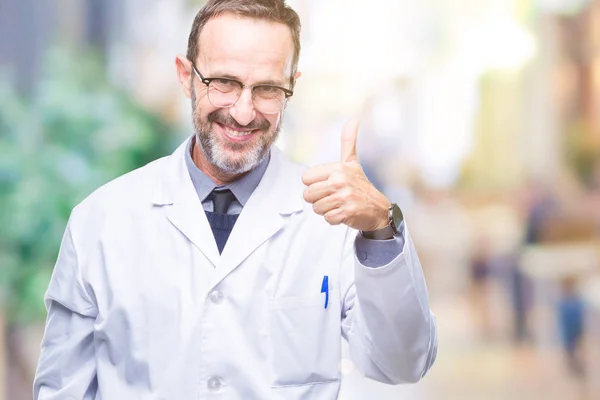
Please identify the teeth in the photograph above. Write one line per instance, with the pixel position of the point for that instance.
(235, 133)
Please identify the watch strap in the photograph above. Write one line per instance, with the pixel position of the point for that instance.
(395, 220)
(384, 233)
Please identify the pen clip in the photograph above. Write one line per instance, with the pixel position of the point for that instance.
(325, 289)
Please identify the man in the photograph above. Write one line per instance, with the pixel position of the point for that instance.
(224, 270)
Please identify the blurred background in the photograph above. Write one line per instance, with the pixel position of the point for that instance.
(481, 118)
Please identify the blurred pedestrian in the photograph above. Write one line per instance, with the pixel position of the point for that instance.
(480, 286)
(570, 310)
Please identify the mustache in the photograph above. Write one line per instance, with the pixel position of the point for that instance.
(225, 119)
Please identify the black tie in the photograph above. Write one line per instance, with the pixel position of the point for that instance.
(222, 199)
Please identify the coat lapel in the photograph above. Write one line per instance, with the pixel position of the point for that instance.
(278, 194)
(176, 191)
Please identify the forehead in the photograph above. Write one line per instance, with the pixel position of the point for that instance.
(246, 46)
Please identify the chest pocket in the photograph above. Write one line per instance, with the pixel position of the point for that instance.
(305, 339)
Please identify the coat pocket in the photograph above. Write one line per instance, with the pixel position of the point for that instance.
(305, 339)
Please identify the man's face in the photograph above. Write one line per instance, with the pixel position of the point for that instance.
(237, 138)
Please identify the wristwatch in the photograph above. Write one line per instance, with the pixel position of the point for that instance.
(395, 218)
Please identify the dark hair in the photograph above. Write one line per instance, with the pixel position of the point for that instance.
(268, 10)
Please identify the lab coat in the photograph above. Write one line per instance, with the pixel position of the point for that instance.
(142, 306)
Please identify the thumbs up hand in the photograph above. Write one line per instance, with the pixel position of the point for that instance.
(342, 193)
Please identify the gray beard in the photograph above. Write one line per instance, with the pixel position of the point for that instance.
(251, 155)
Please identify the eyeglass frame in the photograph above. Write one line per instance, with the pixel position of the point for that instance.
(288, 93)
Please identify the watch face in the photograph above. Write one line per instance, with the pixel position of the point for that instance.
(396, 217)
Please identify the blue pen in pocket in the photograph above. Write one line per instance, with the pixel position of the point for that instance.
(325, 289)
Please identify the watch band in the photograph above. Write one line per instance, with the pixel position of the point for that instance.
(384, 233)
(395, 219)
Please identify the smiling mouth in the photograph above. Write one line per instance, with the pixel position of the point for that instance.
(236, 135)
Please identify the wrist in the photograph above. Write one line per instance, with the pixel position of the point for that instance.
(384, 219)
(390, 228)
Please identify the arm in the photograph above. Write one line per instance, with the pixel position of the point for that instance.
(385, 311)
(385, 315)
(67, 365)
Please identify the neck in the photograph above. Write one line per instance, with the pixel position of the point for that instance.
(216, 175)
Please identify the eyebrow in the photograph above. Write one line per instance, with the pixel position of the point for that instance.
(268, 82)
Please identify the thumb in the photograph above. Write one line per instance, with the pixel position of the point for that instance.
(349, 137)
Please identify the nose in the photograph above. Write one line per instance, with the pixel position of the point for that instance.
(243, 110)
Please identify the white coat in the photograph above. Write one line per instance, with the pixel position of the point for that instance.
(142, 306)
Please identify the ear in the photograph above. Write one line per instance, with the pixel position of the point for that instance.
(184, 71)
(298, 75)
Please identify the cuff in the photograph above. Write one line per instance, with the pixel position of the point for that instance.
(377, 253)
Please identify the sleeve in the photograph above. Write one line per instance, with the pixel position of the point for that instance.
(386, 319)
(377, 253)
(67, 366)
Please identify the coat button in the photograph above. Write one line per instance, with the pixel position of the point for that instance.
(214, 384)
(217, 297)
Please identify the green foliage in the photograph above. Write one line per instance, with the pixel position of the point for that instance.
(76, 133)
(582, 150)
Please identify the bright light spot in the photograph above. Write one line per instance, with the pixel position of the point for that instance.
(500, 43)
(346, 366)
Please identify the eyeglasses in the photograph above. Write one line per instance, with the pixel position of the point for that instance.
(225, 92)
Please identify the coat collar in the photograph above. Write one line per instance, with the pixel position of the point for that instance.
(174, 181)
(278, 194)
